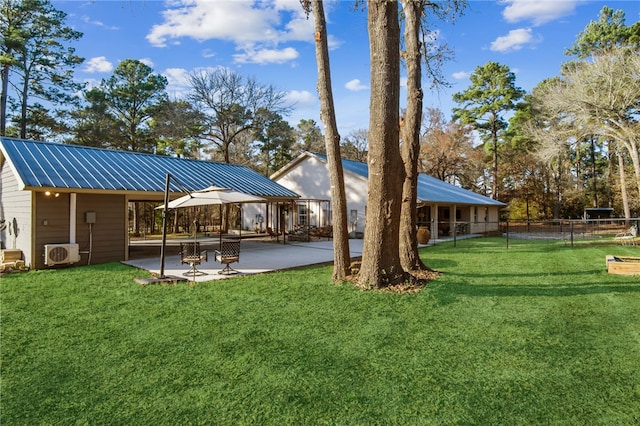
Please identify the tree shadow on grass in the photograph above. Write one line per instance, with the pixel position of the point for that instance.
(546, 285)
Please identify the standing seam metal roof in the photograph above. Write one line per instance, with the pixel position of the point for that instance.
(430, 189)
(55, 165)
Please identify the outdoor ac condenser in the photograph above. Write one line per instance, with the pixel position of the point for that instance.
(61, 254)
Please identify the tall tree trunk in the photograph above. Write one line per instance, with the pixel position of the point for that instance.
(3, 98)
(410, 132)
(341, 256)
(494, 165)
(635, 160)
(23, 105)
(557, 201)
(623, 186)
(380, 254)
(594, 180)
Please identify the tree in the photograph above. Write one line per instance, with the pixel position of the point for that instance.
(525, 174)
(355, 146)
(380, 253)
(133, 94)
(35, 61)
(176, 126)
(447, 151)
(492, 93)
(341, 257)
(607, 32)
(274, 139)
(419, 46)
(309, 137)
(93, 124)
(613, 49)
(554, 131)
(603, 95)
(230, 102)
(410, 134)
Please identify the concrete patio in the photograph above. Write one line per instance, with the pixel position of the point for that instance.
(256, 256)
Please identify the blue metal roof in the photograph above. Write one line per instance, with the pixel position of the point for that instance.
(56, 165)
(430, 189)
(435, 190)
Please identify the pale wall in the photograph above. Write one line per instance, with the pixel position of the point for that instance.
(310, 179)
(16, 210)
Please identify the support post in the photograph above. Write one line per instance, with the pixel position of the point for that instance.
(164, 224)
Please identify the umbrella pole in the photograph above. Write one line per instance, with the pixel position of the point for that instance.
(164, 225)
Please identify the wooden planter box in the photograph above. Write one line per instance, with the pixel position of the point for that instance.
(10, 255)
(11, 259)
(623, 265)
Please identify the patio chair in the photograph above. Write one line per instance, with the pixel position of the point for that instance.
(229, 253)
(627, 237)
(191, 254)
(271, 233)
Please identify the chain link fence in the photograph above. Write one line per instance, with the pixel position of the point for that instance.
(570, 231)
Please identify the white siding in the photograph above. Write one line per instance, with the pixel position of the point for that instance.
(16, 210)
(310, 179)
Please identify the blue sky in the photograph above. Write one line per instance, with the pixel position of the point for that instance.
(273, 41)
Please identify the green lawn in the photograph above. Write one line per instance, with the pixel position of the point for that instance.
(535, 334)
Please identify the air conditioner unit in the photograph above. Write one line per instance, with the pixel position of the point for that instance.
(61, 254)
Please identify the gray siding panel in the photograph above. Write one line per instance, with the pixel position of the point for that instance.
(51, 223)
(107, 238)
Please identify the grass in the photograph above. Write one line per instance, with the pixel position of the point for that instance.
(536, 334)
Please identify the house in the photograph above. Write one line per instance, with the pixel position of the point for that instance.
(70, 204)
(440, 205)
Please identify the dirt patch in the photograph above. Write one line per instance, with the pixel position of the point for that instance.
(416, 281)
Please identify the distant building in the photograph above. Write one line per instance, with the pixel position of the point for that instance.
(441, 206)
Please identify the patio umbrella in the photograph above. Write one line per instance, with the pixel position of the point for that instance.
(207, 196)
(213, 195)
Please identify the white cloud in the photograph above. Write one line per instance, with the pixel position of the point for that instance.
(90, 21)
(537, 11)
(355, 85)
(177, 82)
(203, 20)
(460, 75)
(98, 64)
(208, 53)
(237, 21)
(177, 76)
(333, 43)
(300, 98)
(266, 56)
(515, 40)
(147, 61)
(256, 28)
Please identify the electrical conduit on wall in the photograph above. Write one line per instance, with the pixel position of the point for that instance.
(72, 217)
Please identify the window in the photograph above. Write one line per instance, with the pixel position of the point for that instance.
(302, 215)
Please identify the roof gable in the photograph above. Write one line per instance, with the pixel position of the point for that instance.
(430, 189)
(55, 165)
